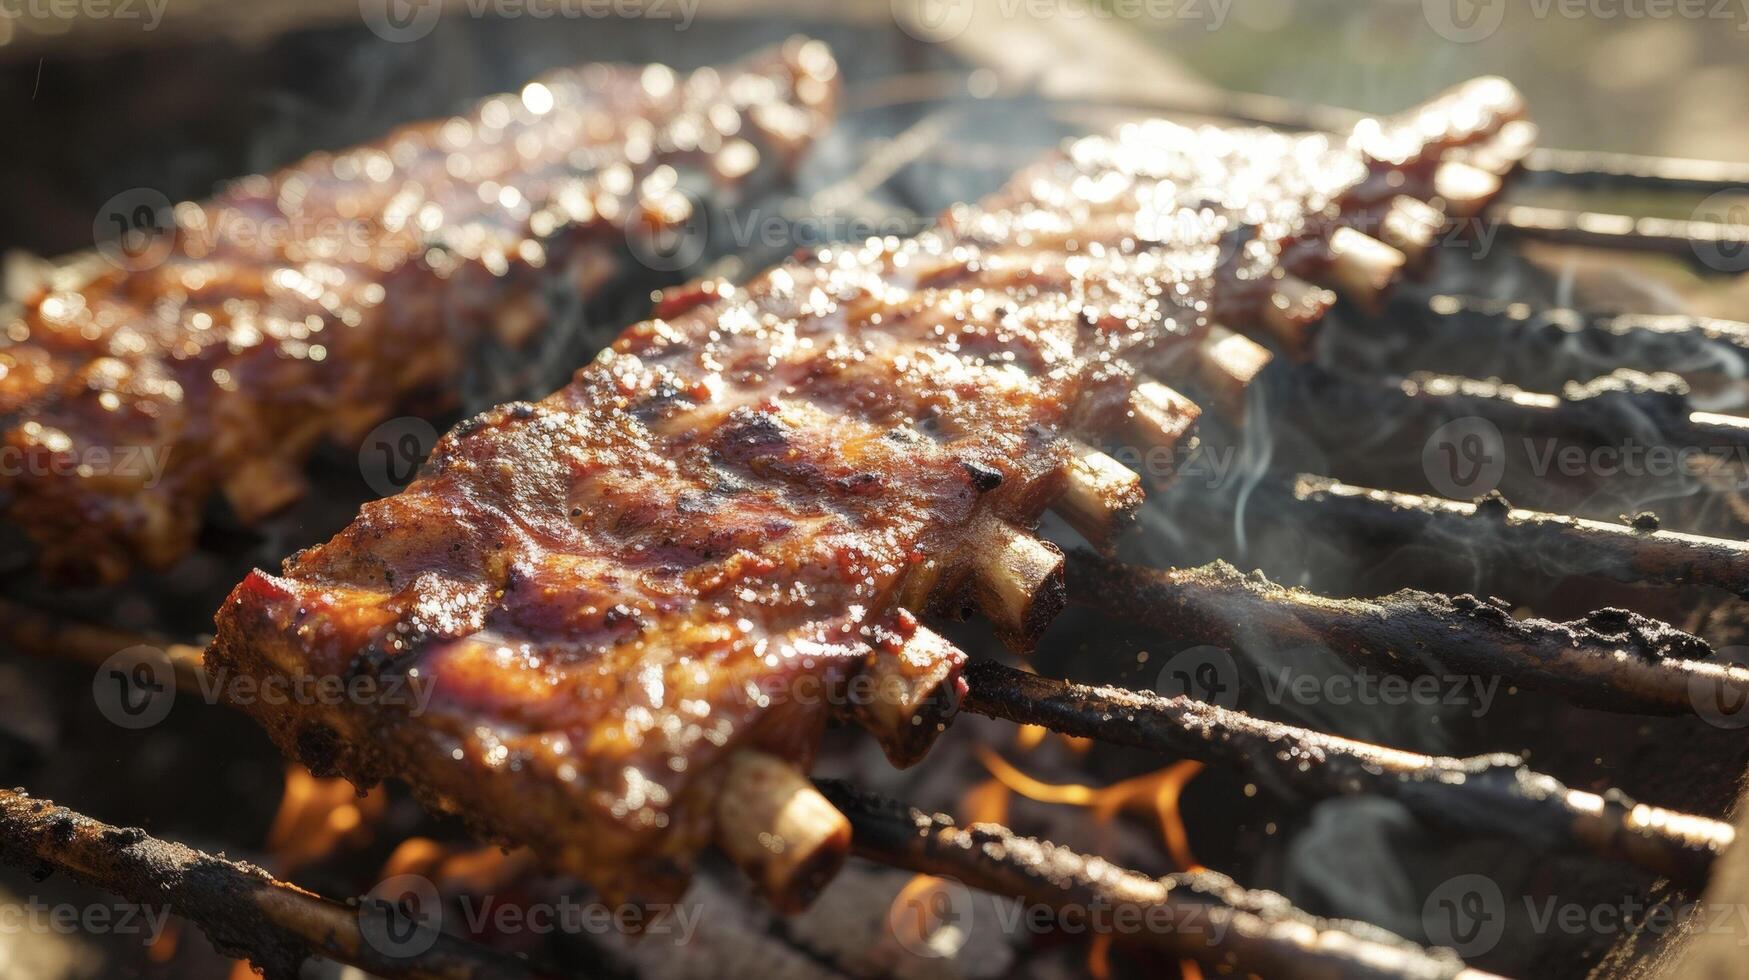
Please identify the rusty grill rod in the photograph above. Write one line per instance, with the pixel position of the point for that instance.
(1592, 413)
(1494, 321)
(244, 911)
(1208, 918)
(1640, 554)
(1704, 242)
(1491, 794)
(1612, 659)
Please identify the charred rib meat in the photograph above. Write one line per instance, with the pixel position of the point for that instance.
(638, 600)
(314, 302)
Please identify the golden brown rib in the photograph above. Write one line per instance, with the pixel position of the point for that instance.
(693, 550)
(315, 302)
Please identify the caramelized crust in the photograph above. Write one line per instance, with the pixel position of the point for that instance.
(737, 507)
(315, 302)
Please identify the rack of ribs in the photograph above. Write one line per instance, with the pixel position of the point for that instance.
(317, 301)
(636, 602)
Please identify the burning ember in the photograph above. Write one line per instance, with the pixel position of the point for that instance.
(318, 817)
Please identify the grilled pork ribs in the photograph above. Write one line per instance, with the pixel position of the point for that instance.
(315, 302)
(638, 600)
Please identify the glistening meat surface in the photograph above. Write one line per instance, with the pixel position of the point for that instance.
(315, 302)
(617, 592)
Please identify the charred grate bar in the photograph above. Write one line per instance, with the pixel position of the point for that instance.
(1612, 659)
(1216, 922)
(1633, 553)
(245, 911)
(1493, 794)
(1621, 334)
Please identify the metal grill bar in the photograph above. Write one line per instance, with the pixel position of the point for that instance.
(244, 911)
(1469, 317)
(1212, 920)
(1611, 659)
(1492, 794)
(1620, 552)
(1627, 171)
(1703, 242)
(1594, 413)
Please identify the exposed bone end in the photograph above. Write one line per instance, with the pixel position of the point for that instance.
(1162, 418)
(1017, 581)
(1226, 366)
(1505, 150)
(1219, 368)
(908, 691)
(1100, 496)
(1291, 310)
(922, 583)
(1411, 226)
(1465, 188)
(1362, 267)
(776, 826)
(1160, 415)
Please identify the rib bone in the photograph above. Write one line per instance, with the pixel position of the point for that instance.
(1162, 417)
(1101, 495)
(1220, 366)
(1291, 311)
(1465, 188)
(1362, 267)
(778, 828)
(909, 690)
(1411, 226)
(1017, 581)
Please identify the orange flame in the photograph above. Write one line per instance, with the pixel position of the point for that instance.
(163, 949)
(317, 816)
(986, 802)
(1159, 790)
(458, 869)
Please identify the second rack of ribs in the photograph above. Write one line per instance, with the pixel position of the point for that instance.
(315, 302)
(682, 561)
